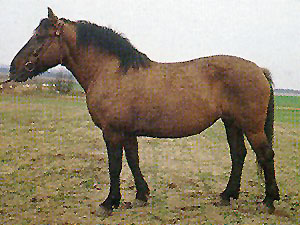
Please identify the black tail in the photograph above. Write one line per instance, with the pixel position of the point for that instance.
(269, 124)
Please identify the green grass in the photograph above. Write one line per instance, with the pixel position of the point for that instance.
(287, 109)
(53, 169)
(287, 101)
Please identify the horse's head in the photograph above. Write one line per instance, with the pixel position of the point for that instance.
(41, 52)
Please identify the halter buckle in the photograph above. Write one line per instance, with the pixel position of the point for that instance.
(29, 66)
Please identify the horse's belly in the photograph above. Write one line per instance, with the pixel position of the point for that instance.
(173, 127)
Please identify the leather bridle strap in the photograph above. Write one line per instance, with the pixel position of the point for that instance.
(29, 65)
(58, 33)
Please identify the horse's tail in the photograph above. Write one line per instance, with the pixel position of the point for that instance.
(269, 123)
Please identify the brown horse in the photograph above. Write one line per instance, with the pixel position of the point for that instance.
(129, 95)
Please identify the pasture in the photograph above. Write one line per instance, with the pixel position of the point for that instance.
(53, 169)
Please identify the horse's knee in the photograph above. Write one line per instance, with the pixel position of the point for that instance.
(260, 145)
(269, 154)
(265, 154)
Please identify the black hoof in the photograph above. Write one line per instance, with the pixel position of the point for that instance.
(269, 203)
(226, 195)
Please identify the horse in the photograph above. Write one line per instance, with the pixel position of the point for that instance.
(129, 95)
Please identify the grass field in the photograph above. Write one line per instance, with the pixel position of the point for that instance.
(53, 169)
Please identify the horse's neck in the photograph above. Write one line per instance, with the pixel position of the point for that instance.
(88, 64)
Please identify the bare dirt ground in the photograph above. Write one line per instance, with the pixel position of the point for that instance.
(54, 171)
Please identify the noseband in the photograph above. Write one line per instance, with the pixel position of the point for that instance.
(37, 53)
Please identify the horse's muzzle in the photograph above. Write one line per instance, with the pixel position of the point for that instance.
(18, 77)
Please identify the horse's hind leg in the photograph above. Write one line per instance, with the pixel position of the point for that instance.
(265, 156)
(238, 153)
(131, 152)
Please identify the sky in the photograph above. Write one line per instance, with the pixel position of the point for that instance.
(266, 32)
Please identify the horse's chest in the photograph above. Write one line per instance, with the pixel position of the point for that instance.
(109, 114)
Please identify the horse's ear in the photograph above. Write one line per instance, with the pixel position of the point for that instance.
(51, 15)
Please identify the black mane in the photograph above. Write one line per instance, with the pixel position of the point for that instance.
(107, 39)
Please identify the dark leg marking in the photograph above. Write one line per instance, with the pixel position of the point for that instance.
(131, 152)
(265, 157)
(238, 153)
(114, 151)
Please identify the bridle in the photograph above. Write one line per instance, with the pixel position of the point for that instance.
(37, 53)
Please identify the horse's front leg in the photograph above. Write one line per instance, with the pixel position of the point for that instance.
(114, 150)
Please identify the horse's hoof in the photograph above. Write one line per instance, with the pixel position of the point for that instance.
(264, 208)
(103, 212)
(139, 203)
